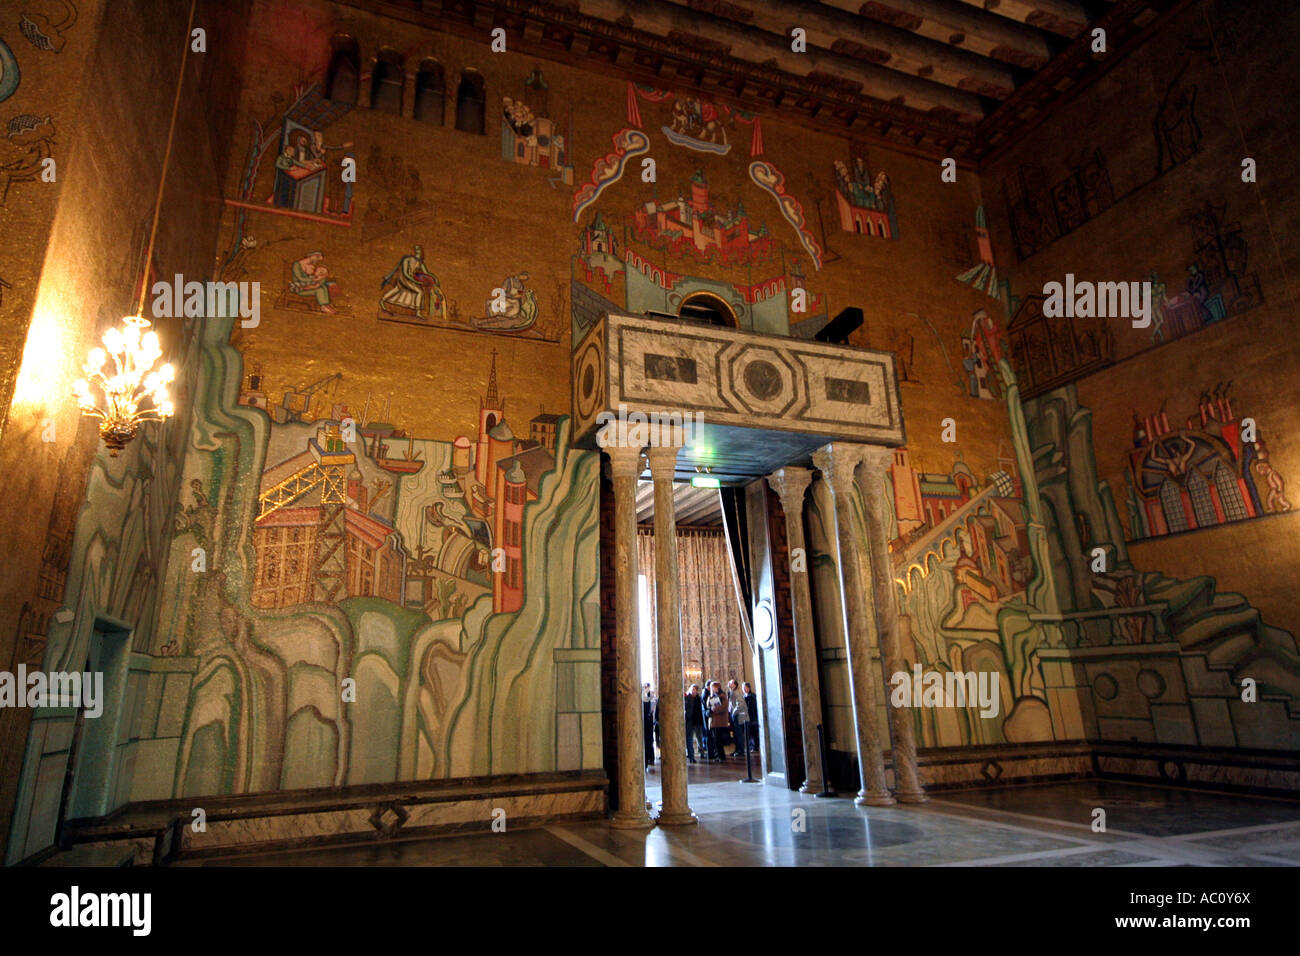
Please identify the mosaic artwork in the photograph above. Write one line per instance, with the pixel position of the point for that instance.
(865, 202)
(529, 134)
(1209, 469)
(405, 561)
(609, 169)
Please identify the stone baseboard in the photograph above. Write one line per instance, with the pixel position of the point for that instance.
(951, 768)
(1263, 772)
(162, 831)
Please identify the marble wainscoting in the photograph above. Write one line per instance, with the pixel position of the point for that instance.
(166, 832)
(958, 767)
(1254, 771)
(1249, 771)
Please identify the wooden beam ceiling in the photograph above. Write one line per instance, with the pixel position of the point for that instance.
(1061, 17)
(959, 25)
(693, 507)
(936, 78)
(707, 33)
(836, 32)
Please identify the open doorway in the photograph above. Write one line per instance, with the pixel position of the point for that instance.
(90, 779)
(716, 644)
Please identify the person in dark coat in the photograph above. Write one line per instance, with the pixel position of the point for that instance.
(704, 717)
(648, 725)
(751, 703)
(694, 722)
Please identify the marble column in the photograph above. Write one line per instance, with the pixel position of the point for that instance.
(837, 463)
(790, 485)
(875, 470)
(625, 467)
(672, 718)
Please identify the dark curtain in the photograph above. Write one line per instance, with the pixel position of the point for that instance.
(736, 524)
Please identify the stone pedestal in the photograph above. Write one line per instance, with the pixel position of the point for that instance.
(790, 485)
(837, 463)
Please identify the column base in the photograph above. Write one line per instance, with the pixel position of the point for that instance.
(676, 818)
(911, 796)
(814, 787)
(865, 799)
(636, 820)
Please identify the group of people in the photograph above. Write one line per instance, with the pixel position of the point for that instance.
(715, 718)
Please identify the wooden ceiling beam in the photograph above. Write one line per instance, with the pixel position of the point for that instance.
(838, 32)
(708, 34)
(1128, 24)
(1065, 18)
(699, 507)
(648, 59)
(955, 23)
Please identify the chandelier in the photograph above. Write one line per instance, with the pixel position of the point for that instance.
(124, 386)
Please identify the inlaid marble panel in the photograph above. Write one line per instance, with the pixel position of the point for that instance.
(734, 378)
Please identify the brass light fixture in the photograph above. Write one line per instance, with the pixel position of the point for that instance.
(133, 350)
(133, 379)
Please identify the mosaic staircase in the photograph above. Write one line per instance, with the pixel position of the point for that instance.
(1231, 636)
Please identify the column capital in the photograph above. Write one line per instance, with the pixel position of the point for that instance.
(624, 460)
(877, 458)
(665, 435)
(837, 462)
(790, 483)
(663, 461)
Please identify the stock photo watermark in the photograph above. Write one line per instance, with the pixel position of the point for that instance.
(55, 689)
(652, 429)
(951, 689)
(75, 909)
(194, 300)
(1101, 300)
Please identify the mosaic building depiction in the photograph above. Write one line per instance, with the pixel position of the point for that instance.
(637, 350)
(1213, 470)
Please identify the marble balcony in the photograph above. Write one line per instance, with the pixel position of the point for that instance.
(757, 401)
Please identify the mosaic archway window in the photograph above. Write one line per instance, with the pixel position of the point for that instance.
(471, 103)
(1172, 504)
(1234, 508)
(1198, 489)
(708, 310)
(430, 93)
(343, 78)
(388, 80)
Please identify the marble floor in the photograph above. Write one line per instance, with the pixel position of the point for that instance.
(759, 825)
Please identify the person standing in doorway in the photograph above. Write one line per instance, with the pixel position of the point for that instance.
(751, 704)
(739, 716)
(648, 725)
(704, 719)
(718, 721)
(694, 722)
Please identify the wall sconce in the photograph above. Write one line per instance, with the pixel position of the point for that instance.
(134, 352)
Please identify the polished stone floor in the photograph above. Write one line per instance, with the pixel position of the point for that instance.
(759, 825)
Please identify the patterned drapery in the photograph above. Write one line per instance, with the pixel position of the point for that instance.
(713, 642)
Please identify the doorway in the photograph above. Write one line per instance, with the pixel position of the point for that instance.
(90, 780)
(716, 645)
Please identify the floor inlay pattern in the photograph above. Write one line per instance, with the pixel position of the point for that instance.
(748, 825)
